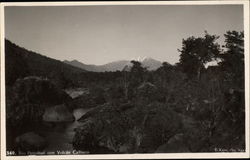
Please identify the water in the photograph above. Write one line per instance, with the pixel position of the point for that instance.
(59, 135)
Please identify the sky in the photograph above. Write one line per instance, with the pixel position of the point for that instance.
(102, 34)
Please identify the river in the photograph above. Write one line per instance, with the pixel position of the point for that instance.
(60, 135)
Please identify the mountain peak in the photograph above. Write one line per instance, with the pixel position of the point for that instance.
(140, 59)
(148, 62)
(148, 59)
(143, 59)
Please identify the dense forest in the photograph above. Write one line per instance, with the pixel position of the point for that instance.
(186, 107)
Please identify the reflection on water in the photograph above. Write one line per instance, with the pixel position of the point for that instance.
(59, 135)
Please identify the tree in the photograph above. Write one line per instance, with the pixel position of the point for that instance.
(196, 52)
(135, 78)
(137, 73)
(232, 60)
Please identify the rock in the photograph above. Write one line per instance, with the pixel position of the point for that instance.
(30, 142)
(76, 92)
(105, 127)
(192, 132)
(84, 137)
(88, 99)
(96, 110)
(159, 125)
(91, 113)
(58, 113)
(175, 144)
(83, 101)
(26, 103)
(126, 128)
(38, 90)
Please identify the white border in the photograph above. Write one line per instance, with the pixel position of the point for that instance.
(129, 156)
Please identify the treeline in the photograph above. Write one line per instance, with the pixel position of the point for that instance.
(21, 62)
(194, 55)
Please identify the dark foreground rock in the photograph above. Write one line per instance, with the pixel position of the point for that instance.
(29, 98)
(26, 103)
(83, 98)
(102, 129)
(38, 90)
(30, 142)
(159, 124)
(127, 128)
(82, 101)
(76, 92)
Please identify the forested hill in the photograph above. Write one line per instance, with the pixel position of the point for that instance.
(20, 62)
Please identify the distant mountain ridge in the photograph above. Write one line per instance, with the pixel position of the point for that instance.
(21, 62)
(113, 66)
(150, 63)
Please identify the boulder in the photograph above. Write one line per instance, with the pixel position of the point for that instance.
(84, 137)
(101, 108)
(105, 127)
(91, 113)
(160, 123)
(82, 101)
(38, 90)
(85, 98)
(58, 113)
(76, 92)
(27, 100)
(127, 128)
(30, 141)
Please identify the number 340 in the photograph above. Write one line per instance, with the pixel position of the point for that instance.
(10, 153)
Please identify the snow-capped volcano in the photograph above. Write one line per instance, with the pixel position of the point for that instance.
(148, 62)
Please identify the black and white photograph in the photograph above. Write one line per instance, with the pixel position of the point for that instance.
(121, 79)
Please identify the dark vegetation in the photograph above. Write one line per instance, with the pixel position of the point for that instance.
(184, 107)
